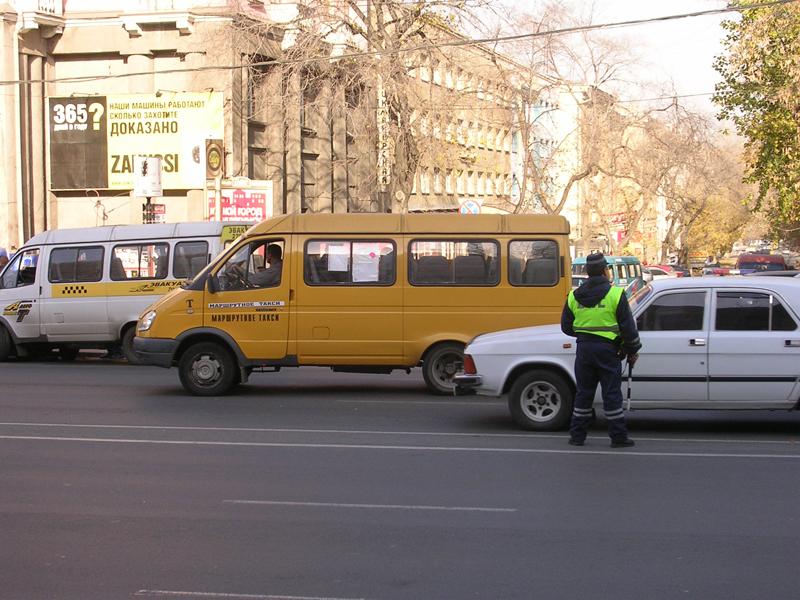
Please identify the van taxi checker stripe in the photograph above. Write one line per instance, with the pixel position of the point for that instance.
(73, 290)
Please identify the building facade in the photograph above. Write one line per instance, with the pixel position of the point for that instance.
(212, 89)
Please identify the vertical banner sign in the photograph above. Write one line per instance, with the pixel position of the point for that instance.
(94, 140)
(78, 143)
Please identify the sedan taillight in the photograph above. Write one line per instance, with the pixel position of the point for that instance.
(469, 365)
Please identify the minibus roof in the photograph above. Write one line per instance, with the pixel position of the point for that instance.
(450, 223)
(111, 233)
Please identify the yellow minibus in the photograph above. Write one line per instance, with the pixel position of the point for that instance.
(359, 293)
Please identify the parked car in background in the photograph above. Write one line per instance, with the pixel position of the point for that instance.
(710, 343)
(751, 261)
(626, 271)
(787, 273)
(682, 271)
(659, 272)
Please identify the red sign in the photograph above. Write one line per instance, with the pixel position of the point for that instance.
(240, 205)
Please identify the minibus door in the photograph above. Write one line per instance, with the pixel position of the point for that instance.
(249, 299)
(20, 299)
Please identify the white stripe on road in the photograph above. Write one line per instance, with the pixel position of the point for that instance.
(529, 436)
(378, 506)
(585, 452)
(229, 596)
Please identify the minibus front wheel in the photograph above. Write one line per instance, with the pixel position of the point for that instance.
(440, 365)
(5, 344)
(207, 369)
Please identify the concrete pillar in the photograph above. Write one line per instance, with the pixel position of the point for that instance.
(293, 158)
(340, 192)
(10, 234)
(38, 147)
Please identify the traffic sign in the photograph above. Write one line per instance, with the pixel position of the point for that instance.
(470, 207)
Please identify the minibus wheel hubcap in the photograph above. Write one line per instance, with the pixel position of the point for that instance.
(540, 401)
(206, 369)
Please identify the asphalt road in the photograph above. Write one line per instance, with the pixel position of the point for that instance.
(308, 484)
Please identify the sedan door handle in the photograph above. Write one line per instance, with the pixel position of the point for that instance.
(792, 343)
(697, 342)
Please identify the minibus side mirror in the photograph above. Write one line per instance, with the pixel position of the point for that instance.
(213, 284)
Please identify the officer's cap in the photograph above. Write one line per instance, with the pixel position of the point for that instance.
(597, 260)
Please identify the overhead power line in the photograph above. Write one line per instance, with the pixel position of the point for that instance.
(418, 48)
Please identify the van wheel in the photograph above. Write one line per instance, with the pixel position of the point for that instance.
(68, 353)
(207, 369)
(540, 400)
(440, 365)
(5, 344)
(127, 346)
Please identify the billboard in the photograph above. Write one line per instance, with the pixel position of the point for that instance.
(251, 202)
(94, 140)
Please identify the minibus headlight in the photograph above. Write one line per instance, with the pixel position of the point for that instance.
(146, 321)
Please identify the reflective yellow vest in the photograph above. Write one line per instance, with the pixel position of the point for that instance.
(600, 319)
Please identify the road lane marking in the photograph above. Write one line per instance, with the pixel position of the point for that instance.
(378, 506)
(229, 596)
(528, 436)
(585, 452)
(434, 402)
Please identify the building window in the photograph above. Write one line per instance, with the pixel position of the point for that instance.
(460, 182)
(471, 183)
(424, 181)
(448, 182)
(437, 181)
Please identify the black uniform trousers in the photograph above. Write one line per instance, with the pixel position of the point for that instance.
(598, 362)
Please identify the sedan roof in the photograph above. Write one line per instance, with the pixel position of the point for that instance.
(789, 286)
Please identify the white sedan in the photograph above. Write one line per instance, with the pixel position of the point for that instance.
(707, 343)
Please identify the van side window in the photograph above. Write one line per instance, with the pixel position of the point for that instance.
(344, 262)
(68, 265)
(454, 262)
(534, 263)
(190, 259)
(140, 261)
(22, 270)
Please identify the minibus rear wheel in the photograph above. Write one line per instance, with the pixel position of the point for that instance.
(440, 365)
(207, 369)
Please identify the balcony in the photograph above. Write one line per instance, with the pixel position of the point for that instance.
(46, 15)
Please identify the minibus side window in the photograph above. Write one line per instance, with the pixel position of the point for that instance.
(140, 261)
(534, 263)
(22, 270)
(454, 262)
(349, 262)
(190, 258)
(69, 265)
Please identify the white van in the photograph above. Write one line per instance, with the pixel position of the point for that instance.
(84, 288)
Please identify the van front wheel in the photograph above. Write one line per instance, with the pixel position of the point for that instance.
(207, 369)
(127, 346)
(440, 365)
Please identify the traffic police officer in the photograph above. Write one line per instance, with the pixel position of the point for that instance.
(599, 316)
